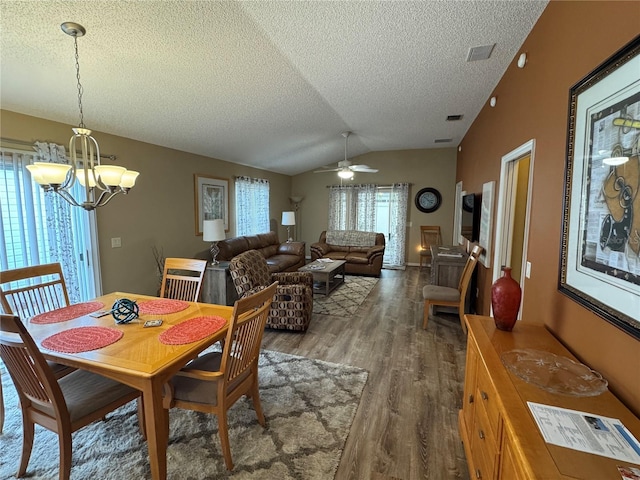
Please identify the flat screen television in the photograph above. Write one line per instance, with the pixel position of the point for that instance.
(470, 217)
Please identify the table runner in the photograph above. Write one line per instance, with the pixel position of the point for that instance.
(162, 306)
(192, 330)
(82, 339)
(67, 313)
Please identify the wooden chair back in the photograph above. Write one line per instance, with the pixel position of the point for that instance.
(469, 267)
(242, 345)
(429, 235)
(33, 378)
(237, 374)
(182, 278)
(29, 291)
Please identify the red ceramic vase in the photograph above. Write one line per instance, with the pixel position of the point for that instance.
(505, 300)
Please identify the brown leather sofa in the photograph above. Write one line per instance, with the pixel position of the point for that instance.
(281, 257)
(361, 260)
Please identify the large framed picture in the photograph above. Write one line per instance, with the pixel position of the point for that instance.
(600, 252)
(211, 200)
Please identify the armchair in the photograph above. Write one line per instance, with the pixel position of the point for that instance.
(293, 302)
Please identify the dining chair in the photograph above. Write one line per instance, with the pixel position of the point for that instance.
(30, 291)
(429, 235)
(449, 296)
(213, 382)
(61, 405)
(182, 278)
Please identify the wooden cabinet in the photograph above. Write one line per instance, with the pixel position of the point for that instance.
(501, 439)
(217, 285)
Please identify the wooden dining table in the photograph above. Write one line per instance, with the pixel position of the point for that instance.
(138, 359)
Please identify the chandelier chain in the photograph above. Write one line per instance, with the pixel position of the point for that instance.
(81, 125)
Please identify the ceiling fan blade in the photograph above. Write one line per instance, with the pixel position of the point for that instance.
(363, 168)
(325, 171)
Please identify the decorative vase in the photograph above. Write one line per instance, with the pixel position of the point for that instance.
(505, 300)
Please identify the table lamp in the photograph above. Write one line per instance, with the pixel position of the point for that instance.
(213, 231)
(288, 219)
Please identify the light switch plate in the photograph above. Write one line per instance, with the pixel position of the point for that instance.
(116, 242)
(527, 272)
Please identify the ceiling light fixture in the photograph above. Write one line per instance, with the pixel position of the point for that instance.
(345, 173)
(101, 182)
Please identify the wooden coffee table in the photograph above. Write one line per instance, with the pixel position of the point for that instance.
(327, 276)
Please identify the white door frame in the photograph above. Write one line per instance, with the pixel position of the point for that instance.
(504, 212)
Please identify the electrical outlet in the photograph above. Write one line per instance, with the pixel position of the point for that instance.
(116, 242)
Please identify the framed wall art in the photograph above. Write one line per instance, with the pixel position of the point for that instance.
(211, 200)
(600, 251)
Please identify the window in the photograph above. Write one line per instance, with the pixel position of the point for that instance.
(38, 227)
(373, 208)
(252, 206)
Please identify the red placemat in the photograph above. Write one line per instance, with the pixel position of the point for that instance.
(67, 313)
(192, 330)
(82, 339)
(162, 306)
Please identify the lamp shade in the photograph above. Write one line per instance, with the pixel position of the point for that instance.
(213, 230)
(288, 218)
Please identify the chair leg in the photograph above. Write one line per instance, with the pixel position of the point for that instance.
(27, 444)
(65, 455)
(461, 315)
(1, 407)
(257, 406)
(425, 318)
(224, 439)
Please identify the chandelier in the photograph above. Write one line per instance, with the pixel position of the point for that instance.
(101, 182)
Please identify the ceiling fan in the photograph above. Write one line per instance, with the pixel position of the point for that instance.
(345, 169)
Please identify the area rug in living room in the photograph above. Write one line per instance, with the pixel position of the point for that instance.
(309, 406)
(345, 300)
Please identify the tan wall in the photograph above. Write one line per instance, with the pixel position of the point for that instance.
(569, 40)
(420, 168)
(159, 210)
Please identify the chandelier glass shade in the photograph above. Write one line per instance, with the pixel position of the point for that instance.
(101, 182)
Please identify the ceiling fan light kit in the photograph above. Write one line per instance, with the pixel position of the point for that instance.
(345, 169)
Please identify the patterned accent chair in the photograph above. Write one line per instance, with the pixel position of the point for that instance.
(293, 302)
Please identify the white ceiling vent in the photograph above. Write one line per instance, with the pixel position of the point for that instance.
(482, 52)
(442, 140)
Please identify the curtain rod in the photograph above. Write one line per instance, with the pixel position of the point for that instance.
(374, 184)
(27, 144)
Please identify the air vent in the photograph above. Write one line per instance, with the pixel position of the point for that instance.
(454, 118)
(482, 52)
(442, 140)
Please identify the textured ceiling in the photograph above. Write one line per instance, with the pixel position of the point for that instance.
(271, 84)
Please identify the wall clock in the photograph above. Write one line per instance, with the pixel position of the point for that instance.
(428, 200)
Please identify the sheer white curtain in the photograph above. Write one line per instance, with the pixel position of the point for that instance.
(352, 207)
(39, 227)
(252, 206)
(394, 253)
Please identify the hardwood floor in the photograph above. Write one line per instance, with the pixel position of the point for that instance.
(406, 427)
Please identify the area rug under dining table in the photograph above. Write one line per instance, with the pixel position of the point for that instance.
(309, 406)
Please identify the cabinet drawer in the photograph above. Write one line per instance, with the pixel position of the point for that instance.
(483, 443)
(487, 397)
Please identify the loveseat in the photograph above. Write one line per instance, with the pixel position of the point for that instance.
(363, 251)
(281, 257)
